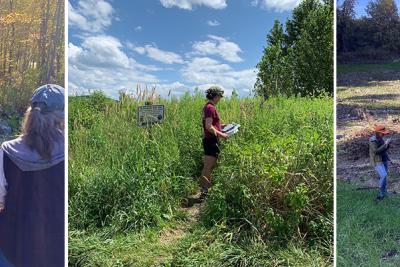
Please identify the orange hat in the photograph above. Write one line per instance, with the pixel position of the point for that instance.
(380, 128)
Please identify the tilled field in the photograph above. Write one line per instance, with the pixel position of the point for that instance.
(363, 100)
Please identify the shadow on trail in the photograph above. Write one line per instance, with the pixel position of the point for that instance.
(365, 110)
(367, 79)
(190, 201)
(373, 97)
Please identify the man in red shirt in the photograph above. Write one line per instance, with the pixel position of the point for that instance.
(212, 132)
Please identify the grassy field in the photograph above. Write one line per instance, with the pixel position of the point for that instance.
(348, 68)
(367, 233)
(271, 204)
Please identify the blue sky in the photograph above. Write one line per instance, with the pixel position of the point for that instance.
(174, 45)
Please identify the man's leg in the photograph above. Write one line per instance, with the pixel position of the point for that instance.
(381, 170)
(386, 164)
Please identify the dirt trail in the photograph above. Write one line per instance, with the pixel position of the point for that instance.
(363, 100)
(170, 237)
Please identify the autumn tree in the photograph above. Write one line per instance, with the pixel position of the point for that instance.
(31, 48)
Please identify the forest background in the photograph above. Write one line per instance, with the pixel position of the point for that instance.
(31, 54)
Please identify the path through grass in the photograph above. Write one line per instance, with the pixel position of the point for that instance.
(186, 242)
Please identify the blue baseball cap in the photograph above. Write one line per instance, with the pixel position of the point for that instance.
(49, 98)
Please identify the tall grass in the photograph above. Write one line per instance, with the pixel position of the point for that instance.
(273, 181)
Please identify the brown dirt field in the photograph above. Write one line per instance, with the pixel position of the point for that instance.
(364, 100)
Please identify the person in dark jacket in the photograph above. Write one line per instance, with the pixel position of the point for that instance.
(212, 133)
(379, 158)
(32, 185)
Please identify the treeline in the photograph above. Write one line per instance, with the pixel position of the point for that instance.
(298, 58)
(373, 37)
(31, 48)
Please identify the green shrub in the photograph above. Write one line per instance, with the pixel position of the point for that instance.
(275, 177)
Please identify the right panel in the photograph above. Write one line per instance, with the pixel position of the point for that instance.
(368, 106)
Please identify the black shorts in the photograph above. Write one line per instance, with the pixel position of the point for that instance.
(211, 146)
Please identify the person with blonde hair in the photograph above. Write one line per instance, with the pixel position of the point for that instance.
(32, 185)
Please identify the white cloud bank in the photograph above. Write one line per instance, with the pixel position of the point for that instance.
(204, 71)
(220, 46)
(90, 15)
(189, 4)
(100, 63)
(157, 54)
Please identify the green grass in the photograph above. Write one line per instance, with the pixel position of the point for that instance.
(205, 247)
(366, 231)
(201, 246)
(348, 68)
(273, 184)
(121, 250)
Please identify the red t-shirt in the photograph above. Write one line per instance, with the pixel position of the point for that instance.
(209, 111)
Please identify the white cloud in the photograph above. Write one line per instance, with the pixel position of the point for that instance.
(218, 46)
(254, 3)
(171, 89)
(138, 28)
(189, 4)
(163, 56)
(100, 63)
(157, 54)
(103, 50)
(204, 71)
(277, 5)
(138, 49)
(213, 23)
(90, 15)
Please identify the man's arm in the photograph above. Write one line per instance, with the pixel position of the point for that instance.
(381, 148)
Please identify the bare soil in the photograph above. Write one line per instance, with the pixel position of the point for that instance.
(170, 236)
(364, 100)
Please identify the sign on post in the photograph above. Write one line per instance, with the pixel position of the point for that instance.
(150, 114)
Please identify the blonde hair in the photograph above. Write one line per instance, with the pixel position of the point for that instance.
(41, 131)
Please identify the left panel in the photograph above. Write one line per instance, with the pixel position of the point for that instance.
(32, 133)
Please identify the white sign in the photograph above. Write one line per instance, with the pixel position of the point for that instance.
(150, 114)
